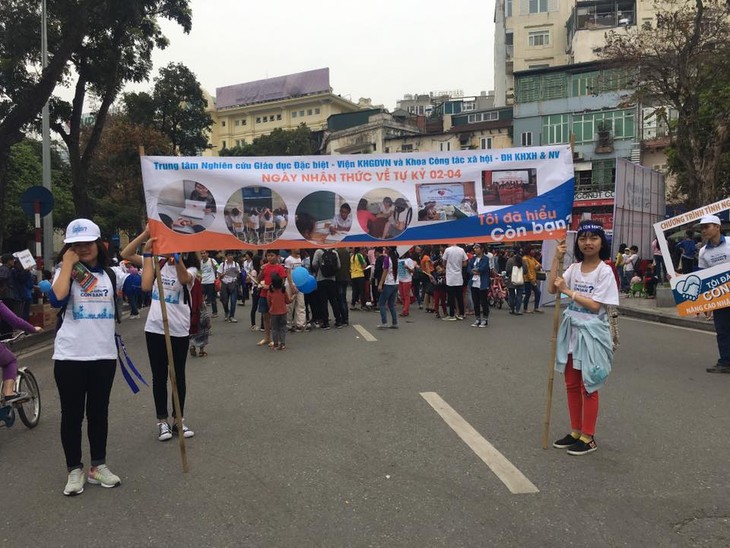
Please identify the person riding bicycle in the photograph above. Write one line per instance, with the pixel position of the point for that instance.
(8, 363)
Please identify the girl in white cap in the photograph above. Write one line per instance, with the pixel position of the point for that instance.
(85, 352)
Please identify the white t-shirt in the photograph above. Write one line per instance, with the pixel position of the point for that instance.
(207, 270)
(403, 274)
(343, 225)
(454, 258)
(178, 312)
(630, 262)
(389, 278)
(476, 279)
(87, 332)
(711, 256)
(229, 271)
(599, 285)
(291, 262)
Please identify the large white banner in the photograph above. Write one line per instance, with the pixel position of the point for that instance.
(393, 199)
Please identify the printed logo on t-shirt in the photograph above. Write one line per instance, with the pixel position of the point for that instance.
(584, 287)
(172, 295)
(93, 305)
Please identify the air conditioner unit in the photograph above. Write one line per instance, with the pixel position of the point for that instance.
(577, 156)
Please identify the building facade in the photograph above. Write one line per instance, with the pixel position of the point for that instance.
(245, 111)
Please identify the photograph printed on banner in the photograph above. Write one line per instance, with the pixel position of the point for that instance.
(324, 217)
(695, 258)
(186, 207)
(508, 187)
(256, 215)
(445, 201)
(384, 213)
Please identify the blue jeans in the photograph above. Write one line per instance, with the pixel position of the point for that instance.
(514, 297)
(534, 288)
(387, 299)
(229, 297)
(210, 296)
(721, 317)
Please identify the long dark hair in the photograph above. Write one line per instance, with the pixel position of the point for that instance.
(191, 259)
(393, 256)
(102, 258)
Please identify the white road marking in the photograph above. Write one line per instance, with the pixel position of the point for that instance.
(364, 332)
(666, 325)
(515, 480)
(44, 348)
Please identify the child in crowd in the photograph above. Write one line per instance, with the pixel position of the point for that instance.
(584, 345)
(277, 299)
(438, 279)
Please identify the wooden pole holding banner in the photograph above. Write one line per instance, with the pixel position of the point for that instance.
(170, 359)
(554, 341)
(553, 355)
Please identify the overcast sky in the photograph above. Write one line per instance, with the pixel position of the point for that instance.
(379, 49)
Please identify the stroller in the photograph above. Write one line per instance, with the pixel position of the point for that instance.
(497, 291)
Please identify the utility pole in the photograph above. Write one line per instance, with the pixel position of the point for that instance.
(46, 131)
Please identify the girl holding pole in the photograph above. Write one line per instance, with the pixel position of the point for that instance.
(584, 341)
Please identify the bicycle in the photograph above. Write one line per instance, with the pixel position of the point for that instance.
(28, 408)
(497, 291)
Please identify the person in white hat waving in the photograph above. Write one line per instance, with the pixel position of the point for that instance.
(717, 251)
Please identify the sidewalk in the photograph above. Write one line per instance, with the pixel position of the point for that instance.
(646, 309)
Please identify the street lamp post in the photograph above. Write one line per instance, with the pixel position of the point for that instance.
(46, 151)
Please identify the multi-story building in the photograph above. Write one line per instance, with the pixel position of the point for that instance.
(585, 102)
(245, 111)
(445, 102)
(378, 131)
(534, 34)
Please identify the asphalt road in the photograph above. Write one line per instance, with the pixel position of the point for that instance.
(331, 443)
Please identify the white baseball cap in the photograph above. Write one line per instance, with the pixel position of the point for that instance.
(710, 220)
(82, 230)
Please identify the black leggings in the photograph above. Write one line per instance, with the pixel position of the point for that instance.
(84, 386)
(254, 306)
(481, 303)
(157, 352)
(455, 295)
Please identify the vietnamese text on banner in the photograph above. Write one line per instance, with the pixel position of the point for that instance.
(196, 203)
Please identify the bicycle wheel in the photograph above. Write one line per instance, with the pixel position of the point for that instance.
(29, 410)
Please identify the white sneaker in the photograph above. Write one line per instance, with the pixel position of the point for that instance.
(187, 433)
(164, 432)
(101, 475)
(75, 483)
(477, 323)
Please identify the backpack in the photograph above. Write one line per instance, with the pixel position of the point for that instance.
(378, 270)
(328, 263)
(195, 300)
(132, 285)
(113, 278)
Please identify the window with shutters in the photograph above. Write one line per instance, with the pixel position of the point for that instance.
(526, 139)
(554, 86)
(528, 89)
(603, 173)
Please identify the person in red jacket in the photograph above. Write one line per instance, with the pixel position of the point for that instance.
(277, 299)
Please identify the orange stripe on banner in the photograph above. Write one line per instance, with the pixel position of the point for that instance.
(706, 302)
(169, 241)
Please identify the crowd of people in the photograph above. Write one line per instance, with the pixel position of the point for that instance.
(447, 282)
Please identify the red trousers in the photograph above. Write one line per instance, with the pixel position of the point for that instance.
(439, 298)
(582, 406)
(404, 289)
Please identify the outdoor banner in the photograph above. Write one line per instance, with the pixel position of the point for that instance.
(701, 290)
(499, 195)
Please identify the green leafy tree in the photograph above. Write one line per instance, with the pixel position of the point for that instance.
(683, 61)
(116, 52)
(280, 142)
(176, 108)
(115, 173)
(24, 85)
(25, 170)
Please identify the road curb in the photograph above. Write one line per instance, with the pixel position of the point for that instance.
(665, 319)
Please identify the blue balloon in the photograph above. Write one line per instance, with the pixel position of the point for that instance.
(308, 286)
(299, 276)
(44, 286)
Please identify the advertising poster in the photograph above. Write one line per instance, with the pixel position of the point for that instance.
(695, 290)
(499, 195)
